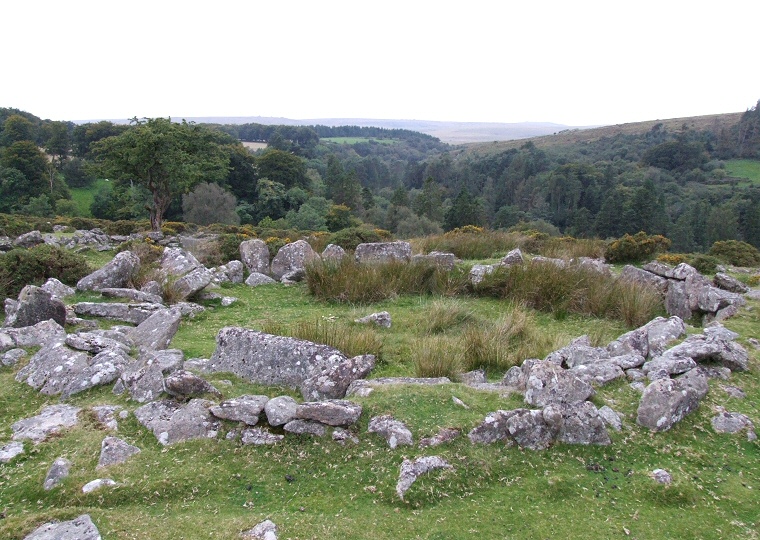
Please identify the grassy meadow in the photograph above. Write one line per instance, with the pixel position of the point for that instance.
(214, 489)
(744, 168)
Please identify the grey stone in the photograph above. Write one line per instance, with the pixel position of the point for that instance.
(702, 348)
(441, 260)
(190, 283)
(36, 305)
(271, 360)
(255, 255)
(514, 257)
(266, 530)
(594, 265)
(172, 422)
(479, 271)
(41, 334)
(730, 284)
(382, 318)
(734, 392)
(227, 301)
(294, 276)
(232, 272)
(189, 309)
(529, 429)
(30, 239)
(80, 528)
(57, 472)
(578, 353)
(667, 401)
(671, 364)
(94, 343)
(244, 409)
(293, 256)
(258, 437)
(514, 379)
(183, 384)
(648, 279)
(332, 412)
(131, 294)
(661, 476)
(731, 422)
(157, 331)
(52, 419)
(611, 418)
(280, 410)
(477, 376)
(342, 436)
(493, 429)
(144, 379)
(178, 262)
(10, 450)
(152, 287)
(627, 361)
(412, 470)
(334, 381)
(599, 373)
(305, 427)
(716, 330)
(256, 279)
(635, 375)
(549, 383)
(114, 451)
(364, 387)
(118, 273)
(11, 357)
(638, 386)
(106, 415)
(57, 289)
(380, 252)
(333, 252)
(576, 423)
(131, 313)
(443, 436)
(100, 483)
(394, 432)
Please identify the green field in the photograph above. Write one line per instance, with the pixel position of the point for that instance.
(318, 489)
(355, 140)
(85, 195)
(744, 168)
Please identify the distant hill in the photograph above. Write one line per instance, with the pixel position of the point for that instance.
(449, 132)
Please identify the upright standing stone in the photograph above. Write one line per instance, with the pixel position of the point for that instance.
(255, 255)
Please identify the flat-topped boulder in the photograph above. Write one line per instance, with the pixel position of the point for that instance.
(80, 528)
(379, 252)
(131, 294)
(134, 313)
(52, 419)
(119, 273)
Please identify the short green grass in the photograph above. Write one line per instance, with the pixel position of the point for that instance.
(85, 195)
(744, 168)
(217, 488)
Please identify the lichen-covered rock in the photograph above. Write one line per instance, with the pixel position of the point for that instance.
(493, 429)
(131, 294)
(529, 429)
(332, 412)
(445, 435)
(255, 255)
(10, 450)
(52, 419)
(172, 422)
(258, 437)
(97, 484)
(576, 423)
(643, 277)
(119, 272)
(378, 252)
(114, 451)
(183, 384)
(41, 334)
(364, 387)
(293, 256)
(131, 313)
(412, 470)
(667, 401)
(393, 431)
(479, 271)
(730, 284)
(144, 379)
(57, 472)
(80, 528)
(305, 427)
(266, 530)
(57, 289)
(598, 373)
(30, 239)
(382, 318)
(334, 381)
(157, 331)
(280, 410)
(548, 383)
(244, 409)
(35, 305)
(333, 252)
(232, 272)
(257, 278)
(731, 422)
(441, 260)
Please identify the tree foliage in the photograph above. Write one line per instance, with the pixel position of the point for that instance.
(210, 203)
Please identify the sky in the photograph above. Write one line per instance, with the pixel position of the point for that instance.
(571, 62)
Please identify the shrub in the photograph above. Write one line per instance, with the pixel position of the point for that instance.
(20, 267)
(229, 247)
(673, 259)
(351, 340)
(210, 203)
(146, 250)
(13, 225)
(82, 223)
(705, 264)
(122, 227)
(274, 244)
(438, 356)
(353, 236)
(736, 253)
(636, 248)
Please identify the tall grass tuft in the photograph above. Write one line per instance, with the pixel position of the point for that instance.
(351, 340)
(505, 343)
(348, 281)
(438, 356)
(446, 314)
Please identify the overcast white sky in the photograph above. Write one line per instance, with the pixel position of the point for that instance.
(569, 62)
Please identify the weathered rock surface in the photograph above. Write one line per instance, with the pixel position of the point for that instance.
(661, 476)
(114, 451)
(95, 342)
(548, 383)
(144, 379)
(255, 255)
(280, 410)
(412, 470)
(57, 472)
(11, 450)
(57, 289)
(183, 384)
(442, 437)
(730, 284)
(576, 423)
(97, 484)
(479, 271)
(382, 318)
(493, 429)
(292, 257)
(172, 422)
(80, 528)
(41, 334)
(52, 419)
(117, 273)
(364, 387)
(379, 252)
(529, 429)
(11, 357)
(305, 427)
(731, 422)
(131, 313)
(131, 294)
(514, 257)
(334, 381)
(666, 401)
(30, 239)
(393, 431)
(157, 331)
(258, 437)
(256, 279)
(649, 340)
(333, 412)
(439, 259)
(599, 373)
(244, 409)
(611, 418)
(266, 530)
(704, 348)
(35, 305)
(232, 272)
(333, 252)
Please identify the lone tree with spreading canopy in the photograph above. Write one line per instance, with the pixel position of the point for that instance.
(167, 158)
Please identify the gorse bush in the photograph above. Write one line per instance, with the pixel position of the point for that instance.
(351, 340)
(636, 248)
(351, 237)
(348, 281)
(34, 266)
(736, 253)
(705, 264)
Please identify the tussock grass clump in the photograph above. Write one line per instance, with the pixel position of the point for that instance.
(572, 289)
(438, 356)
(446, 314)
(351, 340)
(347, 281)
(469, 243)
(505, 343)
(567, 247)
